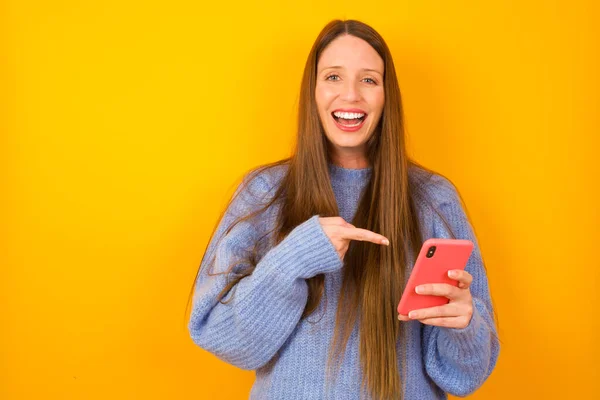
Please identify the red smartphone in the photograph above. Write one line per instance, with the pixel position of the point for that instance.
(436, 258)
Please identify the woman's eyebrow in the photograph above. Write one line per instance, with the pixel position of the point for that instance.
(372, 70)
(362, 69)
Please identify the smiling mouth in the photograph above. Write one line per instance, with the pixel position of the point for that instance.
(349, 119)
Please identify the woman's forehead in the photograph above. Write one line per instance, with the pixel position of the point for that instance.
(350, 52)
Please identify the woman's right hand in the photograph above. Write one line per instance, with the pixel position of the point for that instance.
(341, 233)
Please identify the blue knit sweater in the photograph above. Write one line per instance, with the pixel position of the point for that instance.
(261, 329)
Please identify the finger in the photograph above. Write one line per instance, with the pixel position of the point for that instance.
(439, 289)
(365, 236)
(461, 276)
(338, 221)
(447, 322)
(447, 310)
(403, 317)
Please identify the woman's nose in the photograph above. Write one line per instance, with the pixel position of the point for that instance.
(350, 92)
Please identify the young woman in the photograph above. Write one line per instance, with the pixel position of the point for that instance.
(302, 277)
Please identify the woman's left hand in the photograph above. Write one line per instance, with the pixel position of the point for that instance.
(457, 313)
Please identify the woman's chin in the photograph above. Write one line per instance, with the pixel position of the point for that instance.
(348, 141)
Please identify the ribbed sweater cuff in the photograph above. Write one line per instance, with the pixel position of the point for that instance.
(309, 250)
(470, 339)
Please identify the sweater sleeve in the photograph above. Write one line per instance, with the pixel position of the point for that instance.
(460, 360)
(262, 310)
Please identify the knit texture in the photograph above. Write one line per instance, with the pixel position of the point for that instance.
(260, 326)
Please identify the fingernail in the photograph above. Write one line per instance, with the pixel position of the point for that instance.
(419, 289)
(399, 318)
(452, 274)
(386, 242)
(412, 314)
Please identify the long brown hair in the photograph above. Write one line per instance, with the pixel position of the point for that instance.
(373, 276)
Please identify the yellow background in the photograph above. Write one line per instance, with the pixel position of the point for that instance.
(126, 125)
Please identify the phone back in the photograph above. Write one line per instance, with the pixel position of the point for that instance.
(449, 254)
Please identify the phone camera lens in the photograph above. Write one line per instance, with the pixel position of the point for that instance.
(431, 252)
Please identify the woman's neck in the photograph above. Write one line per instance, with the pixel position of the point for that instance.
(350, 161)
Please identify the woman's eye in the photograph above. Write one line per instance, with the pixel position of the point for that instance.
(334, 77)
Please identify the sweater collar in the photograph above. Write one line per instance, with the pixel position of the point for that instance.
(348, 175)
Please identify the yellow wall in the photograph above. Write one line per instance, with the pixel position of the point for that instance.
(125, 126)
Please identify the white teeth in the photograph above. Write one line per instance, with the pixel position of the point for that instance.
(347, 115)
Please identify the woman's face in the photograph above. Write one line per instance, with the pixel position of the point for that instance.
(349, 94)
